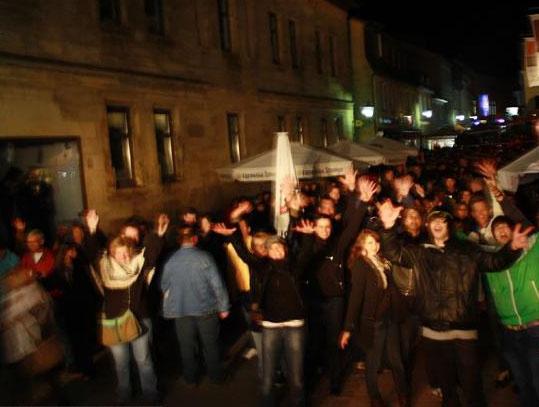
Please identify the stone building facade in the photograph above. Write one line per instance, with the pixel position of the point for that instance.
(157, 94)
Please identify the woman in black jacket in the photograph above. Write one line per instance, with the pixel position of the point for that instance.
(375, 309)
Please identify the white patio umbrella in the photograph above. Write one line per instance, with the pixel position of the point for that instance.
(309, 162)
(524, 169)
(358, 152)
(284, 168)
(396, 151)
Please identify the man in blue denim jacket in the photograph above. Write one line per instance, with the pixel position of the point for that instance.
(194, 295)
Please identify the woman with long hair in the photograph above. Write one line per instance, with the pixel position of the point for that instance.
(123, 275)
(373, 314)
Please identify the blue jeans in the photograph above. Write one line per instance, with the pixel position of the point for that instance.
(274, 342)
(143, 358)
(188, 330)
(521, 350)
(386, 340)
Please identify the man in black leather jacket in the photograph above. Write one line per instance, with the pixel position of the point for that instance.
(447, 281)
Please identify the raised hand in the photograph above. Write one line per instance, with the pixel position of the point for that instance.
(487, 168)
(344, 338)
(221, 229)
(18, 224)
(419, 190)
(403, 185)
(367, 188)
(162, 224)
(388, 213)
(305, 226)
(242, 208)
(91, 219)
(349, 178)
(520, 237)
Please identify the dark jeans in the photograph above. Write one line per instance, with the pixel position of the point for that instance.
(189, 330)
(521, 350)
(409, 332)
(457, 362)
(332, 316)
(386, 340)
(275, 341)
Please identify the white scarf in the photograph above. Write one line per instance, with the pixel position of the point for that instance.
(117, 276)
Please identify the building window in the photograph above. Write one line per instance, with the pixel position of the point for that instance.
(339, 131)
(274, 38)
(154, 13)
(293, 43)
(165, 146)
(298, 136)
(531, 53)
(109, 11)
(318, 51)
(332, 56)
(281, 123)
(324, 132)
(224, 24)
(379, 47)
(234, 136)
(120, 145)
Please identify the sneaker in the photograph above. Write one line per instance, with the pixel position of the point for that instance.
(437, 392)
(250, 353)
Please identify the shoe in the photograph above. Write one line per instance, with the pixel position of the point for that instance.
(437, 392)
(250, 353)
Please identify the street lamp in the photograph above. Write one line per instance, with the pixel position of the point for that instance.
(459, 117)
(367, 112)
(427, 114)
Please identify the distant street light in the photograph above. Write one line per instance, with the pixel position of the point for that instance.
(427, 114)
(459, 117)
(367, 111)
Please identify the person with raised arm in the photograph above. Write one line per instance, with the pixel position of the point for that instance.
(321, 263)
(123, 275)
(447, 281)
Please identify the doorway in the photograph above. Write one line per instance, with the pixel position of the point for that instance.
(41, 182)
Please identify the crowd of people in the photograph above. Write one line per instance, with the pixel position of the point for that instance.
(371, 265)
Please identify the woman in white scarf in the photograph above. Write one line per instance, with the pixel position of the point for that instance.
(123, 277)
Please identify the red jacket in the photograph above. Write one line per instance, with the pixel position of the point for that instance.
(44, 267)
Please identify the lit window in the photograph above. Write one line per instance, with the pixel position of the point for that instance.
(379, 47)
(165, 145)
(234, 136)
(120, 145)
(274, 38)
(224, 24)
(324, 132)
(299, 130)
(154, 13)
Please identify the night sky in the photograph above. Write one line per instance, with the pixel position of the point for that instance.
(486, 35)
